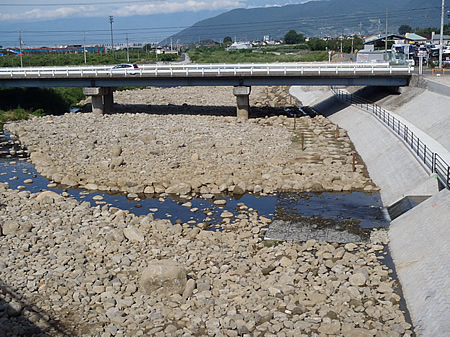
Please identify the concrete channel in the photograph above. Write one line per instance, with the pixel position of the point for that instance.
(420, 237)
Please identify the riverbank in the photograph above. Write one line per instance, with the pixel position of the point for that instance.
(68, 268)
(145, 153)
(72, 269)
(419, 238)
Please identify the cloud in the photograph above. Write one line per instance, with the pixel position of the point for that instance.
(38, 14)
(154, 7)
(175, 7)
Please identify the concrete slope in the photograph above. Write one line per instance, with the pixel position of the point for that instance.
(426, 110)
(390, 163)
(420, 247)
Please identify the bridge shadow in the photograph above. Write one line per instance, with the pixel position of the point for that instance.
(375, 94)
(330, 106)
(196, 110)
(333, 105)
(19, 317)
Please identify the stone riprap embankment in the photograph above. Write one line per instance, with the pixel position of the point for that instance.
(182, 154)
(67, 268)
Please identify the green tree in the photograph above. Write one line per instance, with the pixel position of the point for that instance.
(403, 29)
(227, 40)
(292, 37)
(317, 44)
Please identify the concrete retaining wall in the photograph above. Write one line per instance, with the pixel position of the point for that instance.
(420, 246)
(420, 238)
(390, 163)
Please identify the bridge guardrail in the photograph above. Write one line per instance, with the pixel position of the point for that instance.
(211, 70)
(435, 163)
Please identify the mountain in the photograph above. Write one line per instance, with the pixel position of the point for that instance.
(67, 31)
(316, 19)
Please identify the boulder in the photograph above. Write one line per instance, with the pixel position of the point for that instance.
(164, 278)
(10, 227)
(358, 279)
(116, 150)
(133, 234)
(49, 197)
(181, 188)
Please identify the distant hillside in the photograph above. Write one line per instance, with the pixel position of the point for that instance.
(315, 19)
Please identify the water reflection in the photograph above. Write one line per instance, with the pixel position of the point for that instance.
(315, 215)
(297, 216)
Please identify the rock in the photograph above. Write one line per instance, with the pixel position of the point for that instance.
(239, 189)
(350, 247)
(163, 277)
(357, 279)
(226, 214)
(10, 227)
(331, 328)
(189, 289)
(181, 188)
(14, 308)
(116, 150)
(133, 234)
(49, 197)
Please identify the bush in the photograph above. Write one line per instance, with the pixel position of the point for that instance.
(48, 100)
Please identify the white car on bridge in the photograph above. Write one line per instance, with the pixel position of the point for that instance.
(125, 68)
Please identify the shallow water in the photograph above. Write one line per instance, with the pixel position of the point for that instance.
(344, 210)
(362, 209)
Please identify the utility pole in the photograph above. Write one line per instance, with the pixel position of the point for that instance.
(128, 53)
(111, 20)
(353, 43)
(84, 46)
(441, 42)
(20, 46)
(387, 31)
(360, 28)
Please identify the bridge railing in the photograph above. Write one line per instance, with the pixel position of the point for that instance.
(209, 70)
(432, 160)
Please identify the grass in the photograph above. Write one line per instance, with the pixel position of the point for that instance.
(18, 114)
(220, 55)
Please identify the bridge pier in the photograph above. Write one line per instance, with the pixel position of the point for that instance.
(242, 94)
(102, 99)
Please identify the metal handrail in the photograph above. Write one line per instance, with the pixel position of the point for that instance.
(430, 159)
(195, 70)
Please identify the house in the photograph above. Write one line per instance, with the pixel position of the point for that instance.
(436, 39)
(240, 46)
(416, 39)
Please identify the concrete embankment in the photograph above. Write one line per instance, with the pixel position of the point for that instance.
(419, 238)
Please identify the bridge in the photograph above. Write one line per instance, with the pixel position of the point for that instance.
(101, 81)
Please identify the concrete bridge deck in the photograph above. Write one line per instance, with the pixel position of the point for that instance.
(101, 81)
(210, 74)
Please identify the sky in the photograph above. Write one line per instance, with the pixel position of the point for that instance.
(53, 22)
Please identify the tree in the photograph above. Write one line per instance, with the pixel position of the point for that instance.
(317, 44)
(403, 29)
(227, 40)
(292, 37)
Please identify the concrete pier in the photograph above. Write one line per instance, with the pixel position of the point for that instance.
(102, 99)
(242, 94)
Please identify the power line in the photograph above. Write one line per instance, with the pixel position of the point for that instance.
(77, 3)
(328, 22)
